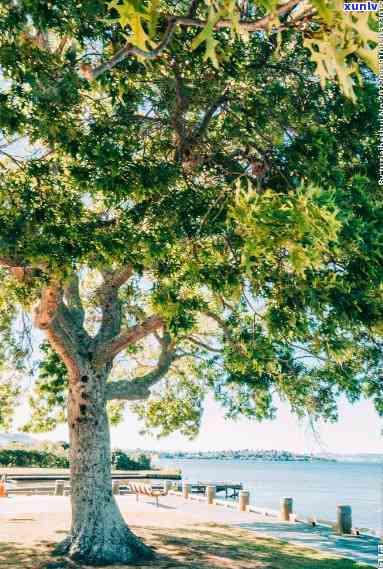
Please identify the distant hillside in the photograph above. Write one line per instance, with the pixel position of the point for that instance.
(271, 455)
(360, 457)
(17, 438)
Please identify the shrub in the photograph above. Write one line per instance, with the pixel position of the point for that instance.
(32, 457)
(53, 455)
(122, 461)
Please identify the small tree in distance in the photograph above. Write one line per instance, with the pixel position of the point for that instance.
(194, 225)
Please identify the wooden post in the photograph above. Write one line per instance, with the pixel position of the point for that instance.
(286, 509)
(244, 500)
(344, 520)
(116, 487)
(185, 490)
(59, 488)
(210, 494)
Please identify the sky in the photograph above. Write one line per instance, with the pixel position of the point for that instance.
(358, 430)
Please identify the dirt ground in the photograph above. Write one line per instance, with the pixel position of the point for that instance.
(27, 541)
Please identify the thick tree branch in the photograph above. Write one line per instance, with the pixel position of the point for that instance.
(8, 263)
(139, 387)
(189, 145)
(244, 25)
(173, 22)
(115, 279)
(129, 49)
(53, 317)
(11, 158)
(51, 307)
(204, 345)
(17, 268)
(131, 336)
(107, 296)
(220, 321)
(73, 299)
(210, 113)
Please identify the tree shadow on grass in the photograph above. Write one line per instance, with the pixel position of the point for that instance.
(16, 556)
(198, 547)
(221, 547)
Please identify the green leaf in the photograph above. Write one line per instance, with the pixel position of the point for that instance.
(207, 36)
(133, 14)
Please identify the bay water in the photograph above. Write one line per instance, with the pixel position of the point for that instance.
(316, 487)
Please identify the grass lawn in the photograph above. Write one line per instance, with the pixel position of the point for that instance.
(202, 547)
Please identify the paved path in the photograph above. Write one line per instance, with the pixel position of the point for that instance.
(363, 549)
(174, 511)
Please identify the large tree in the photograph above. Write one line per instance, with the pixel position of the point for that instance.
(193, 224)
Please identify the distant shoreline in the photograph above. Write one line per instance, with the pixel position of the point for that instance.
(268, 456)
(246, 456)
(250, 459)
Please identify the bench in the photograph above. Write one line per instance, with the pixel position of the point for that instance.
(146, 490)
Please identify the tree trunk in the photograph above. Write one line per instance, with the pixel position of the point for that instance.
(99, 534)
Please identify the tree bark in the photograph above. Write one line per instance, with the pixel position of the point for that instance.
(99, 534)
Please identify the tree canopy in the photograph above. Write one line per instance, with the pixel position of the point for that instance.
(188, 203)
(240, 198)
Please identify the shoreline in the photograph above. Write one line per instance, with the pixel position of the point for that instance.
(316, 487)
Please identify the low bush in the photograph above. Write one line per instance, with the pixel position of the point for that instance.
(123, 461)
(32, 457)
(57, 456)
